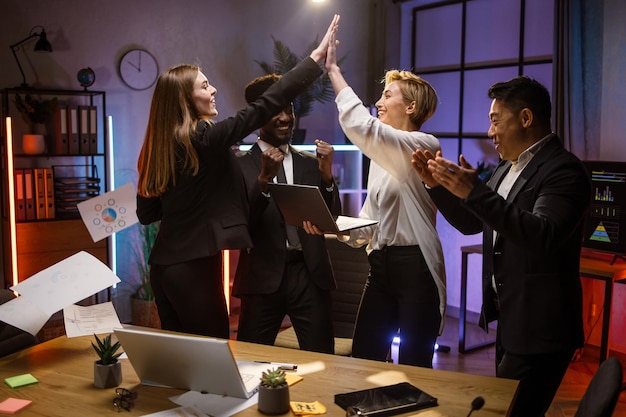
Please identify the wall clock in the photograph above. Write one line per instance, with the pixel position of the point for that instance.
(138, 69)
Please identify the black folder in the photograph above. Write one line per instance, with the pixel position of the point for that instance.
(385, 401)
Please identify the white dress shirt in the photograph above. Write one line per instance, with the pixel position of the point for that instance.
(395, 195)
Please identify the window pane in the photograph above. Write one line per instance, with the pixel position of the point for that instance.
(480, 151)
(450, 148)
(492, 30)
(476, 103)
(541, 73)
(438, 37)
(448, 88)
(539, 32)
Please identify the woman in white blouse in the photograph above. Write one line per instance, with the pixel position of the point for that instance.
(406, 288)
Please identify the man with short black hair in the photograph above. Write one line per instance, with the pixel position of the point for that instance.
(288, 271)
(531, 213)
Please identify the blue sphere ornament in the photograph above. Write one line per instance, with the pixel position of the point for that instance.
(86, 77)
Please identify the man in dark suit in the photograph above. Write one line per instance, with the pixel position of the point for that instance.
(288, 271)
(531, 213)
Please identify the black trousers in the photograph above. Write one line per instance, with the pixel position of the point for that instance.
(539, 378)
(308, 308)
(400, 293)
(190, 297)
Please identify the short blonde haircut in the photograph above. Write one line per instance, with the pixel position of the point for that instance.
(415, 89)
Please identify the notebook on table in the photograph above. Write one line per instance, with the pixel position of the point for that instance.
(385, 401)
(183, 361)
(298, 203)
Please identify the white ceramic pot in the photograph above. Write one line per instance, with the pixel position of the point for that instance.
(33, 144)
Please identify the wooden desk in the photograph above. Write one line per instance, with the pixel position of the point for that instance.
(603, 267)
(64, 368)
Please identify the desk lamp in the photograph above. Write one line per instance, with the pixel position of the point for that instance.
(41, 45)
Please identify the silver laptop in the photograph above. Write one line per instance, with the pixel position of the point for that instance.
(183, 361)
(298, 203)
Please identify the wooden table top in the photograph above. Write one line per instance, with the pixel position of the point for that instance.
(64, 368)
(603, 265)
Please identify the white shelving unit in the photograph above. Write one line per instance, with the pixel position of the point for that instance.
(348, 173)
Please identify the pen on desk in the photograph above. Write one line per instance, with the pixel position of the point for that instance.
(283, 366)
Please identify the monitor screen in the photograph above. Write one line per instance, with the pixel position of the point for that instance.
(605, 229)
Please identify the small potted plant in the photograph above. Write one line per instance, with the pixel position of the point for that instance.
(273, 392)
(107, 371)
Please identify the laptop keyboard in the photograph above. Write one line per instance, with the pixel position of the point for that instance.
(246, 378)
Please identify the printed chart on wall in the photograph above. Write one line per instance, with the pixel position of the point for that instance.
(110, 212)
(606, 225)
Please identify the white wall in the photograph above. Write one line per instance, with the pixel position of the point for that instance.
(223, 37)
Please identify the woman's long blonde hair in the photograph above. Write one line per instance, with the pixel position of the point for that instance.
(417, 89)
(171, 125)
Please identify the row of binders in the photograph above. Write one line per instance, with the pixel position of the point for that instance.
(39, 194)
(34, 194)
(75, 131)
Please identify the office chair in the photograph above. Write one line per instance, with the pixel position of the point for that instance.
(603, 391)
(12, 339)
(351, 268)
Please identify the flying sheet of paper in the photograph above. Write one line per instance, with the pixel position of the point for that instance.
(24, 315)
(88, 320)
(110, 212)
(58, 286)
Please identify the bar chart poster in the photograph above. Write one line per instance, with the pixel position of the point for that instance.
(606, 225)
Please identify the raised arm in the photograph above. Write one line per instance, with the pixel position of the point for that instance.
(322, 49)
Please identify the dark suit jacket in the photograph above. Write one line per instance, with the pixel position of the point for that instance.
(208, 212)
(536, 256)
(260, 270)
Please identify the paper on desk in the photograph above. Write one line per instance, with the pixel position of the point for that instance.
(214, 405)
(87, 320)
(64, 283)
(110, 212)
(178, 412)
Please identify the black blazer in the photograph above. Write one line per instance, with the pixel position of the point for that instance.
(208, 212)
(536, 257)
(260, 270)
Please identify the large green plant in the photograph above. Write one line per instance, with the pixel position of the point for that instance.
(285, 59)
(147, 237)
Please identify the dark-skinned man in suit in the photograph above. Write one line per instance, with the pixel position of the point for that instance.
(288, 271)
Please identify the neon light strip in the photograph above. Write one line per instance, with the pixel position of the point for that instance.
(310, 148)
(111, 183)
(226, 278)
(11, 186)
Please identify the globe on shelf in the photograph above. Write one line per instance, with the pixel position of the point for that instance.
(86, 77)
